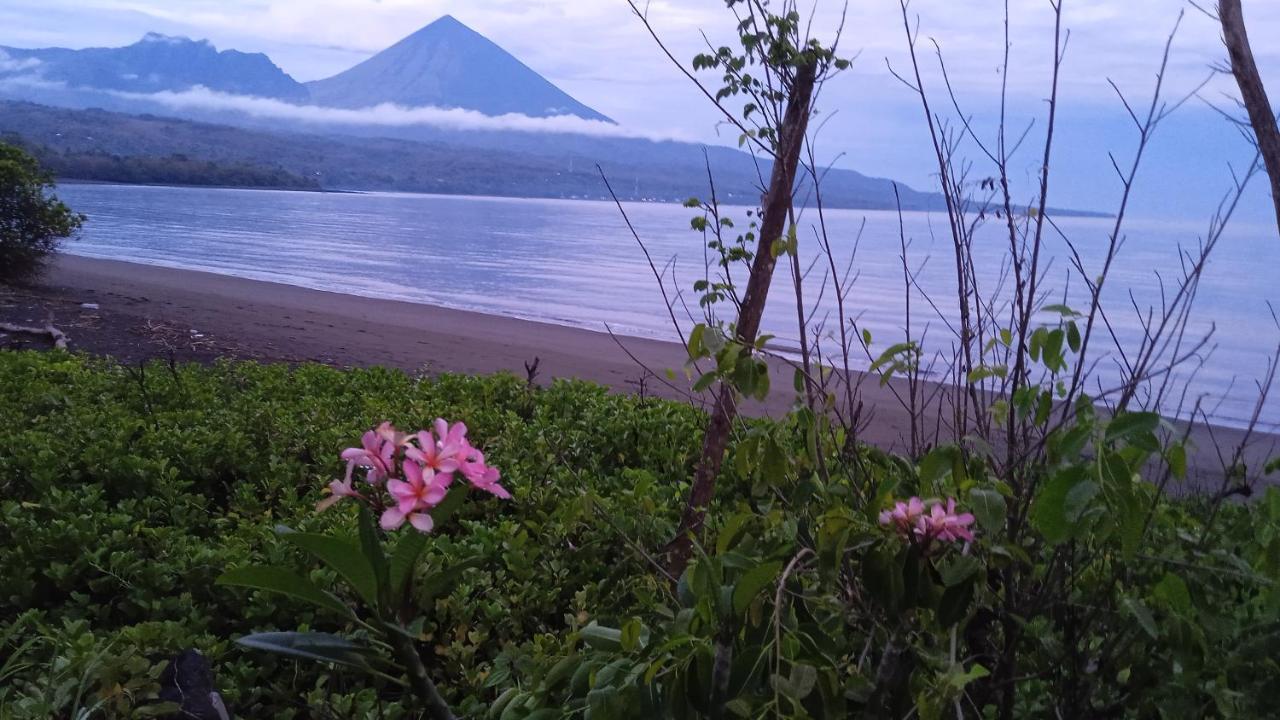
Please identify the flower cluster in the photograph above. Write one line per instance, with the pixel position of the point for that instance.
(912, 520)
(415, 470)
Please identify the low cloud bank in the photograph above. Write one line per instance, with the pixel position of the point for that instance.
(387, 114)
(8, 63)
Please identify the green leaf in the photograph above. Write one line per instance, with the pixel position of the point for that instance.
(1059, 309)
(403, 558)
(371, 546)
(1127, 425)
(1049, 511)
(601, 638)
(1177, 458)
(1077, 500)
(954, 605)
(1140, 613)
(452, 502)
(938, 464)
(285, 582)
(319, 647)
(731, 531)
(1173, 592)
(634, 635)
(803, 678)
(752, 582)
(696, 349)
(989, 508)
(705, 382)
(343, 557)
(443, 581)
(959, 569)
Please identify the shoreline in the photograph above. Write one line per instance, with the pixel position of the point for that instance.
(159, 312)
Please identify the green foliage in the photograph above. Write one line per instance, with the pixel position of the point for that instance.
(173, 169)
(119, 514)
(32, 222)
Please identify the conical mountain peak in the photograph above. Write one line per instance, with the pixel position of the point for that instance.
(448, 64)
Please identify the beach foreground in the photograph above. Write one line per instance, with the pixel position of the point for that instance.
(148, 312)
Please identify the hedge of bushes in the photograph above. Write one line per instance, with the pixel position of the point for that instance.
(126, 491)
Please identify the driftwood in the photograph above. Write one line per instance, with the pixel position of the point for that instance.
(59, 338)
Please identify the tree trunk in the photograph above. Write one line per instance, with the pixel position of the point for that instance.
(774, 214)
(1252, 92)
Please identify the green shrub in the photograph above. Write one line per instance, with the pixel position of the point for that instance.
(32, 223)
(128, 491)
(125, 492)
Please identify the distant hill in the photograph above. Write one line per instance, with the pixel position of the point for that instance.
(155, 63)
(338, 162)
(447, 64)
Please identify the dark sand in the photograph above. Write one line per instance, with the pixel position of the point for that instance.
(153, 312)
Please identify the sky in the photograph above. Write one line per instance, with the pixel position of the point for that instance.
(600, 53)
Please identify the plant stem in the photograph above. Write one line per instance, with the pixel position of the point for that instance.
(419, 681)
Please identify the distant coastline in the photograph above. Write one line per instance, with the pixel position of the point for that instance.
(480, 195)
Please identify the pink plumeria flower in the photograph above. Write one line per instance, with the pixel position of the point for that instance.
(913, 520)
(434, 454)
(482, 476)
(393, 518)
(425, 486)
(948, 526)
(376, 454)
(451, 439)
(903, 515)
(338, 489)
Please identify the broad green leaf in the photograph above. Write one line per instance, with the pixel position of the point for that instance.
(601, 638)
(1077, 500)
(403, 558)
(371, 546)
(705, 381)
(959, 569)
(937, 464)
(803, 678)
(954, 605)
(319, 647)
(1049, 511)
(452, 502)
(731, 531)
(285, 582)
(989, 508)
(752, 582)
(634, 635)
(1173, 592)
(1140, 613)
(1127, 425)
(342, 556)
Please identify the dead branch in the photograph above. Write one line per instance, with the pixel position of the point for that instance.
(58, 337)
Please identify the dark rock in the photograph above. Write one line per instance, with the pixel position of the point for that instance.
(188, 682)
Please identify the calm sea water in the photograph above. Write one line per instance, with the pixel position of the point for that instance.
(575, 262)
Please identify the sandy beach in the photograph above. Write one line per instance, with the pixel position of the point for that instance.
(144, 312)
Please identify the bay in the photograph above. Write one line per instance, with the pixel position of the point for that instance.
(576, 263)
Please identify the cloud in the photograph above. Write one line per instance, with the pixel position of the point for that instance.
(13, 64)
(386, 114)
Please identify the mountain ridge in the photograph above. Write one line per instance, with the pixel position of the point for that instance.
(156, 63)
